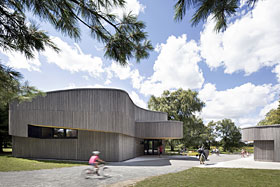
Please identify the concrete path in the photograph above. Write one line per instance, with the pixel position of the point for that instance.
(123, 173)
(247, 162)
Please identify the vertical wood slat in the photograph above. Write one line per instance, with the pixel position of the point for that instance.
(266, 141)
(264, 150)
(94, 109)
(107, 110)
(159, 130)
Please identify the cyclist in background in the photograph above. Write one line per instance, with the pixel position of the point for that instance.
(201, 151)
(95, 160)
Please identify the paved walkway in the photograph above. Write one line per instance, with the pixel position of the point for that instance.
(123, 173)
(247, 162)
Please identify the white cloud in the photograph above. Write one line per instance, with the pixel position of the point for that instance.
(72, 58)
(267, 108)
(85, 77)
(124, 73)
(158, 48)
(137, 100)
(133, 6)
(176, 67)
(248, 44)
(19, 61)
(240, 103)
(277, 71)
(74, 86)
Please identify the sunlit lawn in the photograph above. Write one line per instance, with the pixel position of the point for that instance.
(215, 177)
(9, 163)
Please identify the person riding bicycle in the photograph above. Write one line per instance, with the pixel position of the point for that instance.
(95, 160)
(201, 151)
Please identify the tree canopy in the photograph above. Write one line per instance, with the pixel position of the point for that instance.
(219, 10)
(230, 134)
(272, 117)
(11, 88)
(124, 38)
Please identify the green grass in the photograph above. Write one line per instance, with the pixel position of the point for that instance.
(9, 163)
(215, 177)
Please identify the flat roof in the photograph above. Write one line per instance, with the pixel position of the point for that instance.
(262, 126)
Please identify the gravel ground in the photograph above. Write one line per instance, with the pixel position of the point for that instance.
(122, 173)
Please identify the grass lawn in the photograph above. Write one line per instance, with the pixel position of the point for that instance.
(9, 163)
(215, 177)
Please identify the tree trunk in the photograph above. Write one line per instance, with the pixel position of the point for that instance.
(172, 147)
(1, 143)
(5, 144)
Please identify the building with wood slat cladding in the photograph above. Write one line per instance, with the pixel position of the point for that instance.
(70, 124)
(266, 142)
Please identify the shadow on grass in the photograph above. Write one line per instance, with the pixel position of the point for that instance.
(8, 154)
(147, 161)
(55, 161)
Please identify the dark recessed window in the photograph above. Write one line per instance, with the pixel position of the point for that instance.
(58, 133)
(46, 132)
(70, 133)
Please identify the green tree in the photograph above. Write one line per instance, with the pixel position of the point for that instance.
(230, 135)
(11, 88)
(272, 117)
(123, 38)
(194, 130)
(181, 105)
(218, 10)
(210, 135)
(9, 84)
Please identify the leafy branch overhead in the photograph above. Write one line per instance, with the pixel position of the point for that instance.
(123, 38)
(219, 10)
(12, 88)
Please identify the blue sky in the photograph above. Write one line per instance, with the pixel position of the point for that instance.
(236, 72)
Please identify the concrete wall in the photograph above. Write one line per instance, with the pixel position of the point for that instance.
(263, 136)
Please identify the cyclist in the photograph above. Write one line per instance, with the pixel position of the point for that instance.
(95, 160)
(201, 151)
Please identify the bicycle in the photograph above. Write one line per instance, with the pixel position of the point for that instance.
(202, 159)
(102, 171)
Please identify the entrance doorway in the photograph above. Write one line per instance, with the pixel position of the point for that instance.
(151, 147)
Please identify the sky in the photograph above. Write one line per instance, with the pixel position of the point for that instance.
(235, 72)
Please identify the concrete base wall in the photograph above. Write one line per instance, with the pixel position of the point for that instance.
(113, 147)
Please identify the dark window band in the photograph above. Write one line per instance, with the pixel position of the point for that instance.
(50, 133)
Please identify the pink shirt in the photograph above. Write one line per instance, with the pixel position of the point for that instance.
(93, 159)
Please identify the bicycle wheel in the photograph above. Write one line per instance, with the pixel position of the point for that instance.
(86, 173)
(105, 171)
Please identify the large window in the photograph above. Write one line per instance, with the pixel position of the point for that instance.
(46, 132)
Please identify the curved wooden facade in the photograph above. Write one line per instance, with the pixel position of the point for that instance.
(266, 141)
(93, 113)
